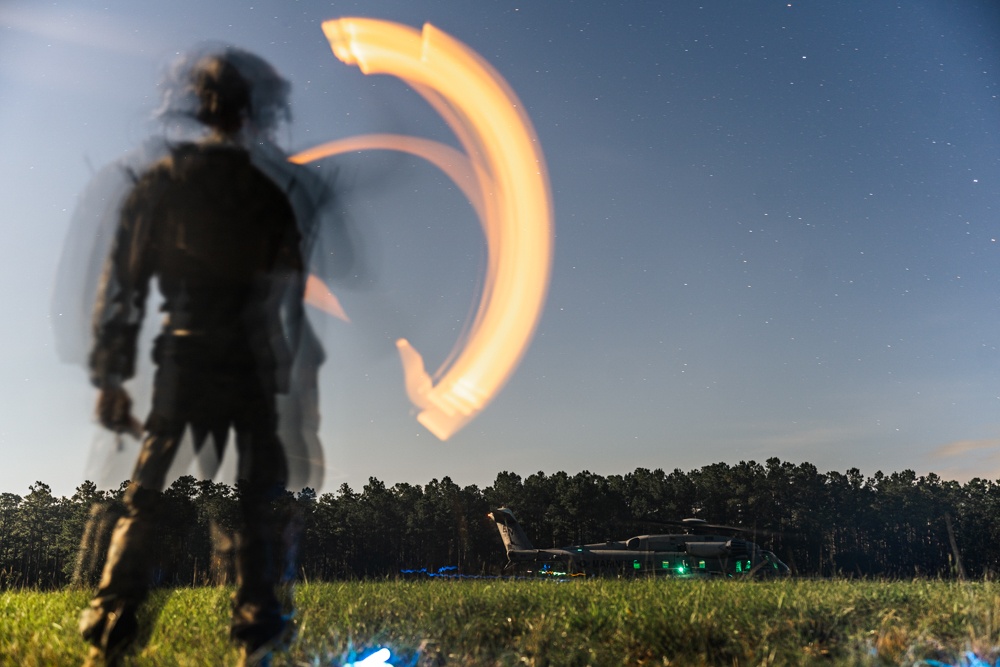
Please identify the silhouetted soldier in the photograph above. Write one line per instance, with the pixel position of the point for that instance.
(221, 240)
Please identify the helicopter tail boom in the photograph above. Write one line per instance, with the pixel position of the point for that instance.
(513, 536)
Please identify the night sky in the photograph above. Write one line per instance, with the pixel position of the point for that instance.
(776, 229)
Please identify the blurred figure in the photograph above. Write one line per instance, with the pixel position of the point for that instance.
(328, 248)
(216, 223)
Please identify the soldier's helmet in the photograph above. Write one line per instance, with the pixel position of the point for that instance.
(225, 88)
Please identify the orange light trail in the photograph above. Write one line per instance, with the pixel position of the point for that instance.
(453, 163)
(503, 175)
(318, 295)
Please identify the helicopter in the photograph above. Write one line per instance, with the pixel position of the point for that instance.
(701, 550)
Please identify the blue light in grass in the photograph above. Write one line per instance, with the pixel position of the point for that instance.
(446, 571)
(379, 658)
(451, 572)
(970, 659)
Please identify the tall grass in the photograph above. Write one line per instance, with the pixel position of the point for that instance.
(535, 623)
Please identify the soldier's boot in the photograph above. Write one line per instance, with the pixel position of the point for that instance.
(110, 624)
(260, 630)
(265, 547)
(110, 629)
(251, 658)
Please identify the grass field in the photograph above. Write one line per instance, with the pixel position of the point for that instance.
(500, 622)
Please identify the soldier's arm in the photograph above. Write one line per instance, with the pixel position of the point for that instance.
(120, 305)
(289, 284)
(118, 314)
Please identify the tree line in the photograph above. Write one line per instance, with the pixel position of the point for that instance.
(821, 524)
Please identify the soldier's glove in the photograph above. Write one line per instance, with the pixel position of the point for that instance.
(114, 411)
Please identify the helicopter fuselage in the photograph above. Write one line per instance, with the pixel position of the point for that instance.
(675, 555)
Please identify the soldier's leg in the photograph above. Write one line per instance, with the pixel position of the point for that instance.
(109, 623)
(259, 619)
(94, 543)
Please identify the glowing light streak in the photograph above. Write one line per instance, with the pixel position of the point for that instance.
(379, 658)
(547, 571)
(503, 176)
(451, 572)
(446, 571)
(969, 659)
(452, 162)
(318, 295)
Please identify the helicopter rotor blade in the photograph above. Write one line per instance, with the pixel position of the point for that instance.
(697, 526)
